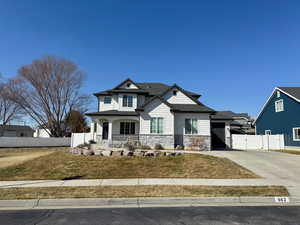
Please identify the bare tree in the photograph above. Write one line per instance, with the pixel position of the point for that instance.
(9, 110)
(47, 90)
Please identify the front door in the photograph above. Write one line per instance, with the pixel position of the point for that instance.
(218, 136)
(105, 131)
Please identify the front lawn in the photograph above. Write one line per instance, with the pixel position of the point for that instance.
(9, 157)
(141, 191)
(63, 165)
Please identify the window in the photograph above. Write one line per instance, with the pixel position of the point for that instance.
(268, 132)
(174, 92)
(127, 128)
(95, 127)
(278, 94)
(127, 101)
(296, 134)
(191, 126)
(107, 100)
(279, 106)
(156, 126)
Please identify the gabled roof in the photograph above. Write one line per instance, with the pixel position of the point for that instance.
(292, 92)
(113, 113)
(149, 89)
(125, 81)
(186, 108)
(221, 116)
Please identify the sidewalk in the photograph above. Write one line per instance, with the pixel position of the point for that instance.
(137, 182)
(142, 202)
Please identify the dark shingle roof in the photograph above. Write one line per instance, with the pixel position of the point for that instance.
(113, 113)
(146, 88)
(294, 91)
(15, 127)
(231, 114)
(191, 108)
(221, 116)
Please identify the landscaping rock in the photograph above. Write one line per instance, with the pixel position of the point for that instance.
(170, 153)
(158, 153)
(178, 153)
(139, 153)
(106, 153)
(97, 152)
(128, 153)
(116, 153)
(149, 153)
(87, 152)
(179, 147)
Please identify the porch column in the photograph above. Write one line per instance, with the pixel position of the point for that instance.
(110, 130)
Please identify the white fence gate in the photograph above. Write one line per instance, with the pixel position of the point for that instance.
(81, 138)
(257, 142)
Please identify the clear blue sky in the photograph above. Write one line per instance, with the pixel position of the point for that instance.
(231, 52)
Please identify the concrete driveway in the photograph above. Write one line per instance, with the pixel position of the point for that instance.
(281, 168)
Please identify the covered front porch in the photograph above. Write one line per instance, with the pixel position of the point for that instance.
(115, 131)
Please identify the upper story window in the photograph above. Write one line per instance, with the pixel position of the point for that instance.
(279, 107)
(157, 125)
(127, 101)
(191, 126)
(296, 134)
(107, 100)
(278, 94)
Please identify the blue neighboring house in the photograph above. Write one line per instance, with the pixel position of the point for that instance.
(281, 115)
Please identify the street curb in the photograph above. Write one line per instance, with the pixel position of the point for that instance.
(142, 202)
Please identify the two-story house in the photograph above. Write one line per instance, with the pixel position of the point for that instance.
(281, 115)
(152, 113)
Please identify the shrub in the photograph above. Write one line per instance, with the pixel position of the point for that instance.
(158, 147)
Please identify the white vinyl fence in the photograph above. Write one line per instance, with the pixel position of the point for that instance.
(20, 142)
(257, 142)
(81, 138)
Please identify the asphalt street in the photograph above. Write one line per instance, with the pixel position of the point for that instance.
(288, 215)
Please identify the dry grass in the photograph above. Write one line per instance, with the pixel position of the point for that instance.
(63, 165)
(295, 152)
(140, 191)
(9, 157)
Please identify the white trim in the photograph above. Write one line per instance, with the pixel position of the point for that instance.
(275, 89)
(279, 108)
(294, 136)
(266, 131)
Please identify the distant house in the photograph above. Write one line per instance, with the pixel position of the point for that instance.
(16, 131)
(156, 113)
(281, 115)
(241, 123)
(40, 132)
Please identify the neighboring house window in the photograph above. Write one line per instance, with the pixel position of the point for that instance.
(279, 106)
(107, 100)
(191, 126)
(127, 128)
(156, 126)
(268, 132)
(296, 134)
(278, 94)
(127, 101)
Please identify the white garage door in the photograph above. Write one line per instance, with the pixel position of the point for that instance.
(10, 134)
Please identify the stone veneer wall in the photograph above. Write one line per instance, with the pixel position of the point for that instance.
(197, 142)
(167, 141)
